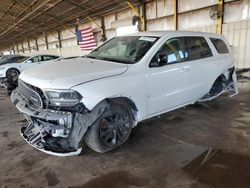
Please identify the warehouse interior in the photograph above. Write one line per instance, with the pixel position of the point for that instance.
(204, 145)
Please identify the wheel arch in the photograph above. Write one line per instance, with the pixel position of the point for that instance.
(128, 101)
(9, 68)
(221, 84)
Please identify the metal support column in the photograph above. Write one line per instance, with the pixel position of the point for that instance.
(59, 39)
(36, 44)
(104, 37)
(220, 16)
(46, 42)
(22, 48)
(29, 45)
(76, 29)
(17, 48)
(176, 15)
(143, 8)
(14, 51)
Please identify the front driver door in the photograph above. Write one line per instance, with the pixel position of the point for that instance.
(168, 84)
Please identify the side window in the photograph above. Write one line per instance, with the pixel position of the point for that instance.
(55, 57)
(220, 46)
(8, 60)
(48, 57)
(197, 48)
(173, 51)
(13, 59)
(21, 58)
(36, 59)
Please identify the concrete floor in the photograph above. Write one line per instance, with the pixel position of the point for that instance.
(200, 146)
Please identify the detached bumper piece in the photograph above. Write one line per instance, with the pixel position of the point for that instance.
(38, 138)
(6, 84)
(48, 131)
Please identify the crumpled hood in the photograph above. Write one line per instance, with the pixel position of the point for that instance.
(67, 73)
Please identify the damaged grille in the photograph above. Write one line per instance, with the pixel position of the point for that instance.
(30, 94)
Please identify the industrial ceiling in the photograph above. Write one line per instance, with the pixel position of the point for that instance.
(24, 19)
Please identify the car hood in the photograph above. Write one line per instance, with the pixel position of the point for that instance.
(66, 74)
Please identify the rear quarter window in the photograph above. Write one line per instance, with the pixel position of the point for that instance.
(220, 46)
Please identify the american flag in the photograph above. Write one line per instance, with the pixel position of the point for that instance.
(86, 39)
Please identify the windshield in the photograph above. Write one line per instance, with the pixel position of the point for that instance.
(127, 49)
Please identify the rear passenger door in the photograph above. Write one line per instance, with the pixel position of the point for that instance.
(200, 60)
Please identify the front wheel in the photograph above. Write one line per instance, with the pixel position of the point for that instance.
(12, 75)
(111, 129)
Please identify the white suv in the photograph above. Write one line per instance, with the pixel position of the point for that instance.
(99, 98)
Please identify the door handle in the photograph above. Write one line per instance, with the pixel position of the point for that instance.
(215, 63)
(185, 69)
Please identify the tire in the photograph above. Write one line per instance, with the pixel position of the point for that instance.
(111, 129)
(12, 76)
(217, 87)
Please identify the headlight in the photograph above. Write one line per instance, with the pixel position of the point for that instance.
(63, 97)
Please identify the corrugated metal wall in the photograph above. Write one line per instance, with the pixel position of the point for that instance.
(193, 15)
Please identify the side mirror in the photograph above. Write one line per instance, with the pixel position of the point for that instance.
(162, 58)
(29, 61)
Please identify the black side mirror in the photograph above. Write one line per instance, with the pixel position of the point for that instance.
(162, 58)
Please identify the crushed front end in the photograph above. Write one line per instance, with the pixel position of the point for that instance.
(55, 131)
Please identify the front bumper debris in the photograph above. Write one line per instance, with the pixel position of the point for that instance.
(56, 132)
(7, 84)
(3, 82)
(47, 131)
(34, 136)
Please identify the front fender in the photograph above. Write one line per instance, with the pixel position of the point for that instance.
(96, 91)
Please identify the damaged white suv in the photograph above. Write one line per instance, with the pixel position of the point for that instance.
(99, 98)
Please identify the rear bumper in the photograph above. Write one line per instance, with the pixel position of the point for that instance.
(48, 131)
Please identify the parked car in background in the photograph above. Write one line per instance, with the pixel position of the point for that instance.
(9, 71)
(5, 59)
(101, 97)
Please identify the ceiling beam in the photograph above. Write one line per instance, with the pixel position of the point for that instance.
(24, 17)
(56, 22)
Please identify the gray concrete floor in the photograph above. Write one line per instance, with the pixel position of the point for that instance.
(200, 146)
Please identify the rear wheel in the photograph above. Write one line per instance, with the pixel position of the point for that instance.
(111, 129)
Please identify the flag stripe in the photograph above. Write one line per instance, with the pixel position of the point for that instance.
(87, 42)
(88, 45)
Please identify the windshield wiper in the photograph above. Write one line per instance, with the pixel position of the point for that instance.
(117, 60)
(89, 56)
